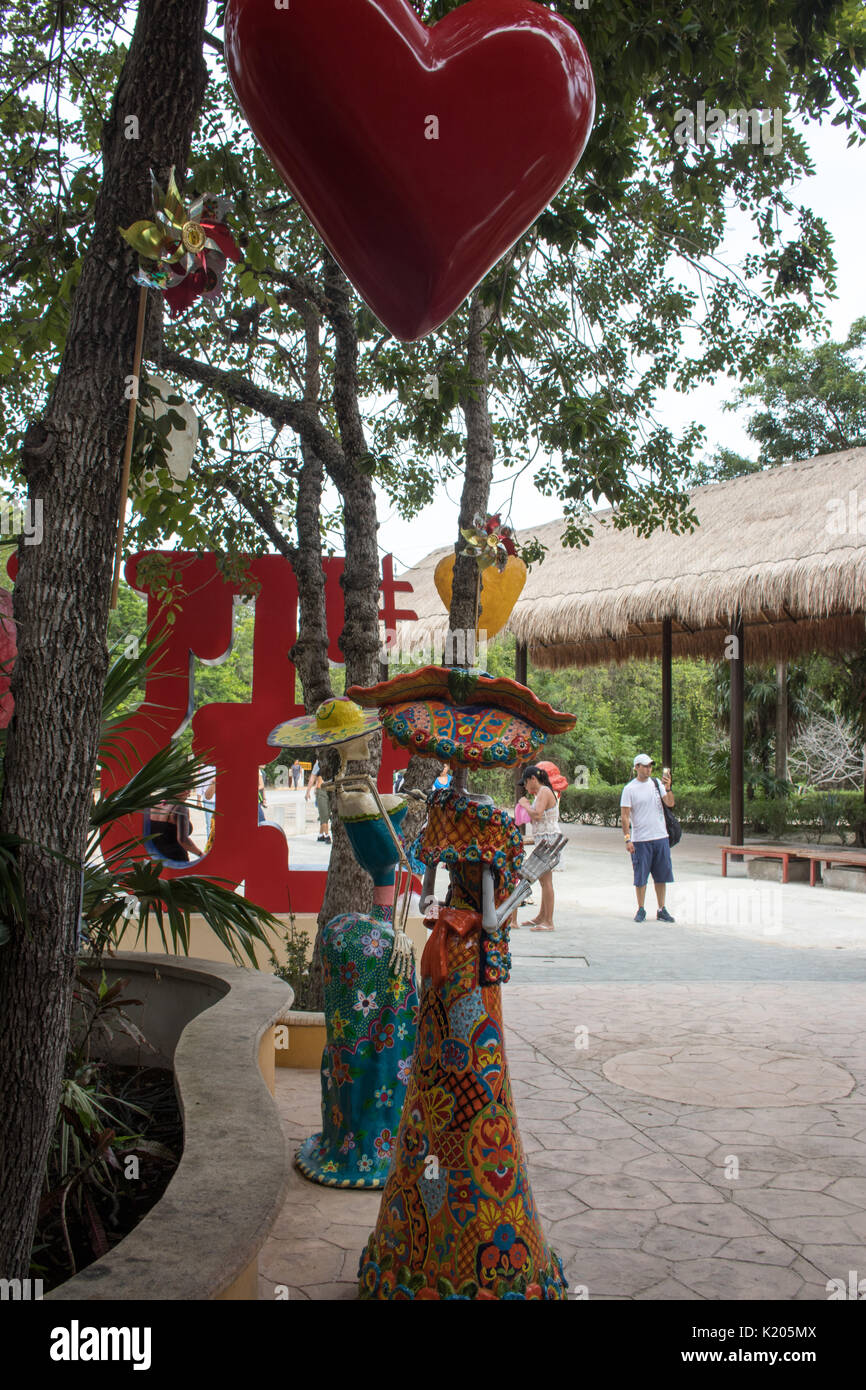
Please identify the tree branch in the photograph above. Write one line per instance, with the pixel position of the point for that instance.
(300, 285)
(262, 513)
(298, 415)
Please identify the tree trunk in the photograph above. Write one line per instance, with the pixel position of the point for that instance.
(349, 887)
(478, 473)
(477, 477)
(310, 652)
(72, 460)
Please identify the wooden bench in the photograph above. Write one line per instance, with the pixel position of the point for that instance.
(822, 854)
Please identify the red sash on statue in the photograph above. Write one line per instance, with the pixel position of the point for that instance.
(434, 961)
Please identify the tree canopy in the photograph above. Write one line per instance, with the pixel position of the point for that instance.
(811, 401)
(614, 294)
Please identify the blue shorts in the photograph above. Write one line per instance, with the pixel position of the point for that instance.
(652, 857)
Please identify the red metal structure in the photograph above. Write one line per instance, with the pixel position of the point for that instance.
(233, 736)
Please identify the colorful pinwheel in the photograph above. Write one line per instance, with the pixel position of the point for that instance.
(184, 249)
(488, 542)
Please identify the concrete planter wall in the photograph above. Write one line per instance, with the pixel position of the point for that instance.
(213, 1024)
(300, 1039)
(204, 945)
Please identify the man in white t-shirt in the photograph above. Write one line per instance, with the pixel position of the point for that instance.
(646, 834)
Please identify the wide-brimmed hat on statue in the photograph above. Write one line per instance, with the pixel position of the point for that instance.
(461, 716)
(336, 721)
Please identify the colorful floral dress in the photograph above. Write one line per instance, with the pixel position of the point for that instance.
(371, 1017)
(457, 1218)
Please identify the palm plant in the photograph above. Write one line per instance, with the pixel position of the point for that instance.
(81, 1213)
(122, 887)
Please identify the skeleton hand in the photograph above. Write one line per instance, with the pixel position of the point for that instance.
(544, 858)
(402, 958)
(541, 861)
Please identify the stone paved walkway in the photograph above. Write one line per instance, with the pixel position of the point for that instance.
(736, 1194)
(692, 1099)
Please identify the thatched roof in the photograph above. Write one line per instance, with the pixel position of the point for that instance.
(786, 545)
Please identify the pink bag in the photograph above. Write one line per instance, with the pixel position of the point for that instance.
(521, 815)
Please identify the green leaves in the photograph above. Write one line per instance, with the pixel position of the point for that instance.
(809, 402)
(613, 296)
(366, 463)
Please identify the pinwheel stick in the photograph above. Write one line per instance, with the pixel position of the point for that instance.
(127, 448)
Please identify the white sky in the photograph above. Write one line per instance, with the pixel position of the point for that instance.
(837, 192)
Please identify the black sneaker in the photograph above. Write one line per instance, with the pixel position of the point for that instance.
(320, 838)
(327, 840)
(664, 916)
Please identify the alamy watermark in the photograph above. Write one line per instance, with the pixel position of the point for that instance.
(846, 516)
(22, 519)
(21, 1290)
(754, 126)
(855, 1289)
(713, 905)
(461, 647)
(77, 1343)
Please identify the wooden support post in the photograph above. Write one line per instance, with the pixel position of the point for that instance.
(520, 662)
(521, 652)
(667, 694)
(738, 661)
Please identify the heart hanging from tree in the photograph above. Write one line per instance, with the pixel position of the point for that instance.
(419, 154)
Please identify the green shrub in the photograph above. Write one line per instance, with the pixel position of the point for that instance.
(589, 807)
(813, 815)
(816, 814)
(496, 782)
(296, 971)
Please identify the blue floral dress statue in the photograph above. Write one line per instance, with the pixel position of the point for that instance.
(371, 1004)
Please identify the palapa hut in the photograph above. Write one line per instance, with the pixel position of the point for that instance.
(778, 561)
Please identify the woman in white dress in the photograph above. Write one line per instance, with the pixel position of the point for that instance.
(544, 814)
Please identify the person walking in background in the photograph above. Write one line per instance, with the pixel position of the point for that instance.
(444, 778)
(646, 834)
(207, 796)
(296, 773)
(323, 806)
(263, 800)
(170, 831)
(544, 815)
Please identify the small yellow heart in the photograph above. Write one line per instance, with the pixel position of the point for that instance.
(500, 590)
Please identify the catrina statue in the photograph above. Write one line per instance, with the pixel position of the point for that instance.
(457, 1217)
(371, 1006)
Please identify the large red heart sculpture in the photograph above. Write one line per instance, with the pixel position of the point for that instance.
(420, 155)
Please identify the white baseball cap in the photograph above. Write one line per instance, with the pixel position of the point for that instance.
(643, 761)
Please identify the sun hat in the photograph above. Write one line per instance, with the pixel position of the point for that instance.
(335, 721)
(643, 761)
